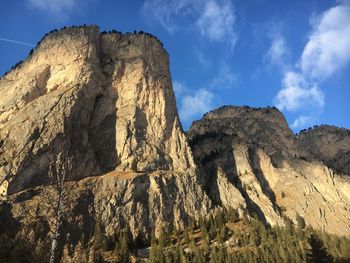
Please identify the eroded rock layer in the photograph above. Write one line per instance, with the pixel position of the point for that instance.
(263, 167)
(106, 100)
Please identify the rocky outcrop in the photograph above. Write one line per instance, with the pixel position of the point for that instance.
(107, 99)
(264, 162)
(328, 144)
(140, 201)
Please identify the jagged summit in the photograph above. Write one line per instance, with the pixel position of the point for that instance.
(263, 127)
(106, 101)
(108, 97)
(329, 144)
(74, 31)
(249, 158)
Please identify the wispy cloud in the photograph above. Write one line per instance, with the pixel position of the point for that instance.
(328, 48)
(60, 9)
(213, 19)
(216, 21)
(203, 59)
(301, 121)
(179, 88)
(296, 93)
(225, 78)
(326, 52)
(16, 42)
(165, 12)
(277, 52)
(193, 103)
(196, 104)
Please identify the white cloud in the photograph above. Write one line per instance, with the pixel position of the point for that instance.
(344, 2)
(301, 121)
(198, 103)
(226, 78)
(165, 11)
(59, 8)
(203, 59)
(326, 52)
(328, 47)
(277, 52)
(216, 21)
(296, 94)
(179, 88)
(213, 19)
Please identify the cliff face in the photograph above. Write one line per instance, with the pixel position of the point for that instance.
(264, 169)
(106, 100)
(328, 144)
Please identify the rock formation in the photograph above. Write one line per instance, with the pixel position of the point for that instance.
(109, 97)
(106, 100)
(328, 144)
(264, 168)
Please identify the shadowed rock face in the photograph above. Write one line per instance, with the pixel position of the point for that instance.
(328, 144)
(265, 128)
(250, 155)
(107, 101)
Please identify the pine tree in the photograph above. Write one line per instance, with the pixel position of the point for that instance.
(346, 254)
(186, 237)
(161, 246)
(234, 215)
(158, 247)
(317, 252)
(122, 251)
(198, 256)
(300, 221)
(98, 235)
(177, 254)
(154, 248)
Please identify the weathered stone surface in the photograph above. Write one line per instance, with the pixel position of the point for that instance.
(141, 201)
(105, 98)
(329, 144)
(107, 101)
(265, 163)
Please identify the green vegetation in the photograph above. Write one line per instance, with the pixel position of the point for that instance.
(220, 238)
(225, 238)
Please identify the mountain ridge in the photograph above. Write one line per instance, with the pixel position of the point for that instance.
(106, 102)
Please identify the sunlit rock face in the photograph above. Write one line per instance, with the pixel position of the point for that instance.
(106, 100)
(268, 169)
(328, 144)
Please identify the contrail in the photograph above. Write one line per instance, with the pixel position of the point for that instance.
(17, 42)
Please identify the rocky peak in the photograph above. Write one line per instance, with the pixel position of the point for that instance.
(107, 98)
(261, 127)
(250, 159)
(329, 144)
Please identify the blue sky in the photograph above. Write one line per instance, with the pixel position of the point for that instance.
(291, 54)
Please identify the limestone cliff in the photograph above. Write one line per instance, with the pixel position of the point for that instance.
(265, 169)
(106, 101)
(109, 97)
(329, 144)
